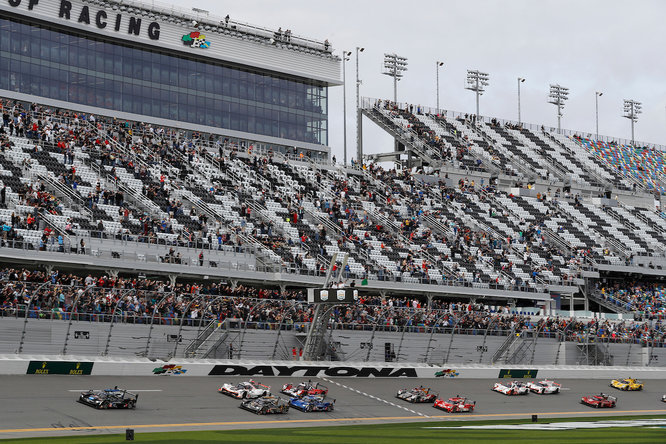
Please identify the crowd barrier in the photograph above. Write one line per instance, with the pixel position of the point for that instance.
(79, 366)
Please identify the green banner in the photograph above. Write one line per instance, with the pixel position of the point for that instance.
(516, 374)
(59, 368)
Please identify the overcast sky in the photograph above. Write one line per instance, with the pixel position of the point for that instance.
(613, 46)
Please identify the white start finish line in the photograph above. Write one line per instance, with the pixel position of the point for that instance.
(567, 425)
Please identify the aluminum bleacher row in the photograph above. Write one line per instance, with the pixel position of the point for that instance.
(114, 182)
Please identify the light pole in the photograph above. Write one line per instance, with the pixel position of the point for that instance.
(597, 94)
(394, 66)
(359, 145)
(477, 81)
(632, 109)
(520, 80)
(345, 58)
(558, 95)
(437, 65)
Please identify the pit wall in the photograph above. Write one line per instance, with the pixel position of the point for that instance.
(78, 365)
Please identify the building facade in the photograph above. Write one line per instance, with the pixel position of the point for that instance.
(181, 69)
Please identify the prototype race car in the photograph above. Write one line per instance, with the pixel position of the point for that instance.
(114, 398)
(599, 401)
(418, 394)
(513, 388)
(303, 389)
(627, 384)
(250, 389)
(544, 387)
(456, 404)
(266, 405)
(312, 403)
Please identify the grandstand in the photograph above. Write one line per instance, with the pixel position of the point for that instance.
(491, 242)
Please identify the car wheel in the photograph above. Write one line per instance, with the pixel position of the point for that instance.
(244, 395)
(598, 406)
(308, 408)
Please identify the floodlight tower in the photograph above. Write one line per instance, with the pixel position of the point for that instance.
(557, 96)
(359, 116)
(437, 65)
(597, 94)
(345, 58)
(632, 109)
(394, 66)
(520, 80)
(477, 81)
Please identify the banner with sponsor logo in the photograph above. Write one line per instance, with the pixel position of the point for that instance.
(170, 369)
(314, 371)
(516, 374)
(59, 368)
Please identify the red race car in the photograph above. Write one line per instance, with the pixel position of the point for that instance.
(599, 401)
(304, 389)
(457, 404)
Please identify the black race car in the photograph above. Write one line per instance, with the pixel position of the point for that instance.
(266, 405)
(114, 398)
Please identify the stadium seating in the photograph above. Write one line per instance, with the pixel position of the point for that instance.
(89, 181)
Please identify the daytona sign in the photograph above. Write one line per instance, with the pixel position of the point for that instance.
(313, 371)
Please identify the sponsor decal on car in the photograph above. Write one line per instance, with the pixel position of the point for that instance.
(169, 369)
(448, 373)
(59, 368)
(313, 371)
(517, 374)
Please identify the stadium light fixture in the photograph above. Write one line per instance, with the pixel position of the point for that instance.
(557, 96)
(520, 80)
(345, 58)
(632, 109)
(477, 81)
(394, 66)
(359, 144)
(597, 94)
(437, 66)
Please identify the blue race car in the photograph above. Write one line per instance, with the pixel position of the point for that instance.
(312, 403)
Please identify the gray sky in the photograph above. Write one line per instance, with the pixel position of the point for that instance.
(612, 46)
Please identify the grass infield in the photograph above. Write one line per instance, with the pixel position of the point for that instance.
(414, 432)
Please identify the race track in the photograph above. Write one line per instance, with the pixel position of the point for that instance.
(35, 405)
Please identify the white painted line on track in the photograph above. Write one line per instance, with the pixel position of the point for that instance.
(129, 390)
(376, 398)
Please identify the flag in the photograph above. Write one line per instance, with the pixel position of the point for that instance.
(364, 282)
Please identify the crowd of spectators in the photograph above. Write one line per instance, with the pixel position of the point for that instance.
(647, 298)
(55, 295)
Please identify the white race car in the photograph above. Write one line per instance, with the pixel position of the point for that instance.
(511, 388)
(250, 389)
(544, 387)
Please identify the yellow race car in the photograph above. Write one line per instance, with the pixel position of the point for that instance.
(627, 384)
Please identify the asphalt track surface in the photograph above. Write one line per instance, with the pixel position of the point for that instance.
(41, 406)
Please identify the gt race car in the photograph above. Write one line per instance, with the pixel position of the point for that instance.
(512, 388)
(114, 398)
(456, 404)
(250, 389)
(312, 403)
(303, 389)
(629, 384)
(266, 405)
(417, 395)
(599, 401)
(544, 387)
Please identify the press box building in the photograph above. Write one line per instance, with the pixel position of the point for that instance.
(185, 69)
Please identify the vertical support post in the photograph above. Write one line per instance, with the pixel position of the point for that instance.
(344, 104)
